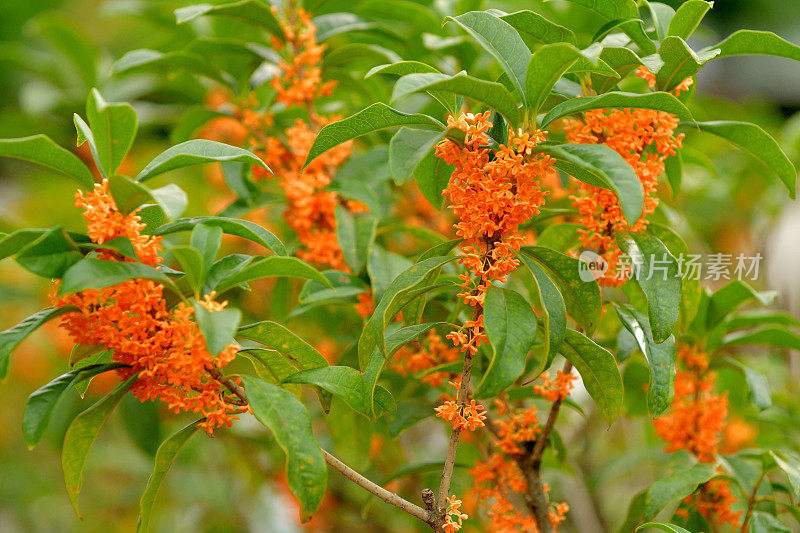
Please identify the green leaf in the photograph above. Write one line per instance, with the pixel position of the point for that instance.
(50, 255)
(410, 284)
(165, 456)
(753, 42)
(355, 233)
(206, 239)
(680, 62)
(536, 28)
(622, 10)
(662, 17)
(383, 267)
(41, 404)
(273, 335)
(288, 420)
(349, 385)
(623, 61)
(761, 522)
(598, 370)
(218, 327)
(677, 486)
(690, 286)
(582, 298)
(552, 304)
(546, 66)
(660, 359)
(12, 337)
(80, 437)
(664, 527)
(501, 40)
(760, 394)
(600, 166)
(42, 150)
(374, 118)
(401, 68)
(792, 471)
(144, 59)
(252, 11)
(407, 148)
(673, 168)
(656, 271)
(230, 226)
(113, 127)
(727, 299)
(97, 273)
(195, 152)
(272, 267)
(777, 337)
(331, 24)
(129, 195)
(510, 325)
(660, 101)
(687, 17)
(403, 336)
(432, 175)
(759, 144)
(488, 93)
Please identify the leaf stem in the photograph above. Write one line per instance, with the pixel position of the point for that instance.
(752, 501)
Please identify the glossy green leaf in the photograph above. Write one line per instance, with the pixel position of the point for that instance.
(759, 144)
(403, 336)
(165, 456)
(402, 68)
(671, 528)
(600, 166)
(662, 17)
(623, 61)
(771, 336)
(218, 327)
(287, 419)
(656, 271)
(195, 152)
(501, 40)
(355, 233)
(546, 66)
(680, 62)
(536, 28)
(129, 195)
(510, 325)
(97, 273)
(490, 94)
(687, 17)
(276, 336)
(146, 60)
(206, 239)
(374, 118)
(349, 385)
(552, 304)
(753, 42)
(331, 24)
(660, 359)
(660, 101)
(50, 255)
(113, 127)
(432, 175)
(230, 226)
(41, 404)
(677, 486)
(622, 10)
(792, 471)
(12, 337)
(252, 11)
(598, 370)
(80, 437)
(728, 298)
(761, 522)
(40, 149)
(407, 148)
(760, 394)
(272, 267)
(582, 298)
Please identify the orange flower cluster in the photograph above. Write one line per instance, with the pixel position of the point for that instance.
(695, 423)
(301, 82)
(163, 346)
(310, 211)
(436, 352)
(491, 194)
(471, 415)
(453, 510)
(644, 138)
(557, 389)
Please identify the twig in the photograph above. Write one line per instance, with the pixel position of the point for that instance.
(385, 495)
(751, 502)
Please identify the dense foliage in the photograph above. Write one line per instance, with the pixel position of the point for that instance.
(469, 221)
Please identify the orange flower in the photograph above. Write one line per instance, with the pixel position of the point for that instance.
(163, 346)
(645, 139)
(436, 352)
(453, 510)
(556, 389)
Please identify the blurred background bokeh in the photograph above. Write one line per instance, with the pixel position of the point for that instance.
(53, 51)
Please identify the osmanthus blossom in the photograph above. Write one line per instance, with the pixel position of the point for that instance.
(163, 346)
